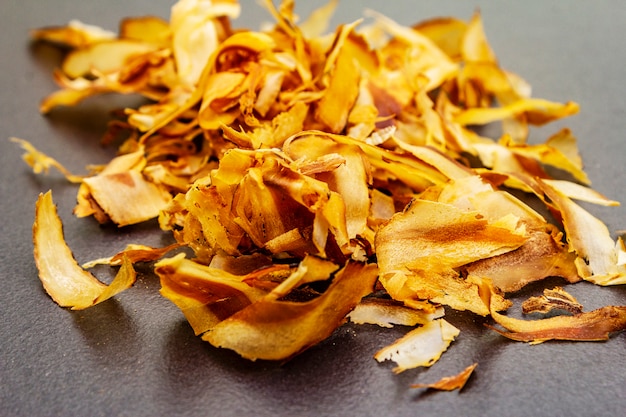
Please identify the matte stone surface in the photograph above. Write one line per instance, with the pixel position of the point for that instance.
(136, 356)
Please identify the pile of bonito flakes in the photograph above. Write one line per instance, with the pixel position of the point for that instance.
(319, 176)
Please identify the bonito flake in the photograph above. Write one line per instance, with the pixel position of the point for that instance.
(320, 174)
(64, 280)
(420, 347)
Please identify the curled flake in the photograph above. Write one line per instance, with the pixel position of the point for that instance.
(103, 57)
(205, 295)
(596, 325)
(538, 111)
(334, 107)
(542, 255)
(150, 29)
(317, 22)
(75, 34)
(451, 383)
(589, 238)
(41, 162)
(578, 192)
(278, 330)
(350, 178)
(422, 346)
(64, 280)
(196, 33)
(127, 197)
(419, 249)
(134, 253)
(555, 298)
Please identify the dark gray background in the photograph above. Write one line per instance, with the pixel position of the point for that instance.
(136, 356)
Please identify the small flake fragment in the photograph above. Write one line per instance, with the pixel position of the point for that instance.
(450, 383)
(422, 346)
(555, 298)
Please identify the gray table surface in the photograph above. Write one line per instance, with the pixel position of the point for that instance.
(136, 356)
